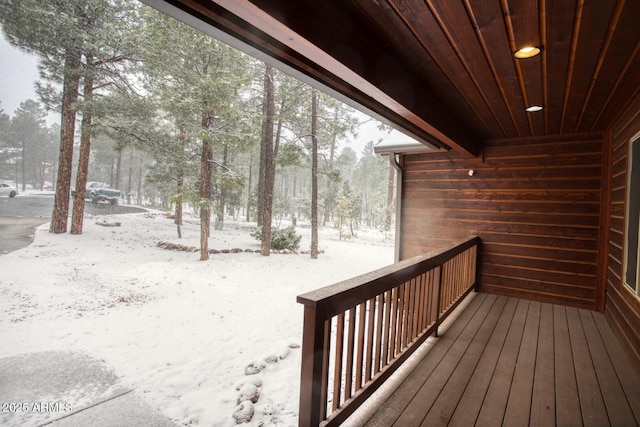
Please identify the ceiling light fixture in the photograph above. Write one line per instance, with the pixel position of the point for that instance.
(533, 108)
(527, 52)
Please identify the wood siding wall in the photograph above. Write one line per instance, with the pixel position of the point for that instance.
(536, 204)
(622, 307)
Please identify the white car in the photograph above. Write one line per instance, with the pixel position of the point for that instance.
(8, 190)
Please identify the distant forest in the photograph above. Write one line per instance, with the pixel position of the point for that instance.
(176, 119)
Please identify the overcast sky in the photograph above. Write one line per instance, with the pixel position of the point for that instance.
(18, 72)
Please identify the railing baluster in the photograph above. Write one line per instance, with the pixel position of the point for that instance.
(379, 317)
(448, 286)
(433, 292)
(370, 334)
(438, 296)
(337, 372)
(416, 310)
(407, 315)
(410, 315)
(387, 328)
(423, 302)
(350, 354)
(451, 284)
(474, 261)
(401, 313)
(361, 329)
(454, 281)
(394, 323)
(443, 287)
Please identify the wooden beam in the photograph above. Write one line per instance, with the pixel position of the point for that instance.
(362, 70)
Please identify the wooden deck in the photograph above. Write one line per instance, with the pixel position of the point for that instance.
(513, 362)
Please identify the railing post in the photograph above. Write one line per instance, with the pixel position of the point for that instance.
(315, 364)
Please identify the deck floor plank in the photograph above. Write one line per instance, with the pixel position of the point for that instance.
(506, 361)
(543, 405)
(519, 402)
(495, 401)
(467, 413)
(618, 410)
(394, 406)
(627, 376)
(592, 406)
(428, 393)
(567, 398)
(446, 403)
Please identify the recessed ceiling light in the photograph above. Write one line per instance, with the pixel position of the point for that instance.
(533, 108)
(527, 52)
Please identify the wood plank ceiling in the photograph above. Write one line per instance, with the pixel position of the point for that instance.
(444, 70)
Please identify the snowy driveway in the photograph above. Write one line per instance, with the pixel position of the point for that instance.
(41, 205)
(68, 390)
(17, 232)
(20, 216)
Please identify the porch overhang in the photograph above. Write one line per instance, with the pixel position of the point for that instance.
(383, 85)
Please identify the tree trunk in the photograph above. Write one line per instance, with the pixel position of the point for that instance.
(139, 201)
(130, 182)
(24, 166)
(111, 185)
(180, 189)
(262, 166)
(205, 193)
(206, 169)
(83, 163)
(70, 85)
(222, 198)
(332, 153)
(248, 217)
(267, 162)
(118, 169)
(276, 144)
(314, 174)
(182, 136)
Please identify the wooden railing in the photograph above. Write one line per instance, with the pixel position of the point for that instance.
(357, 332)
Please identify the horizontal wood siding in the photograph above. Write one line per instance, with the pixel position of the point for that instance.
(536, 204)
(622, 307)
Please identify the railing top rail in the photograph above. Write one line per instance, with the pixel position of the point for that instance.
(338, 297)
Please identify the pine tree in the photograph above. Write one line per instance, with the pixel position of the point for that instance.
(267, 163)
(28, 134)
(67, 36)
(347, 209)
(5, 143)
(197, 82)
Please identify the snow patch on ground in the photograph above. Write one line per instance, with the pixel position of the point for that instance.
(180, 331)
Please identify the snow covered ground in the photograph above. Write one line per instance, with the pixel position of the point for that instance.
(180, 331)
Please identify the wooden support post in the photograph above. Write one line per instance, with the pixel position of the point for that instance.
(315, 365)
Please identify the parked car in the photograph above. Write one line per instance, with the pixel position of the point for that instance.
(8, 190)
(100, 192)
